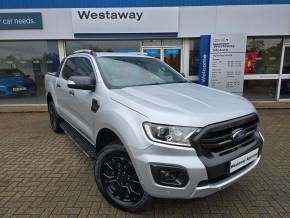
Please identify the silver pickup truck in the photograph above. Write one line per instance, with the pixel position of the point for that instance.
(151, 132)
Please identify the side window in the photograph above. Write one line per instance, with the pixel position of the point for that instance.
(77, 66)
(84, 67)
(68, 69)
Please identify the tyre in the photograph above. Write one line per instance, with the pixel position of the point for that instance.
(117, 180)
(55, 120)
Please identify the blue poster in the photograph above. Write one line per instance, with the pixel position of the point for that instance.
(203, 69)
(20, 21)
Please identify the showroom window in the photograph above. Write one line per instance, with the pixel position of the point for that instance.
(262, 66)
(263, 55)
(23, 65)
(194, 57)
(260, 90)
(104, 46)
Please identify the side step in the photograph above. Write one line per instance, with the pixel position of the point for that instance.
(83, 144)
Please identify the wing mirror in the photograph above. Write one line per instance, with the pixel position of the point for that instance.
(81, 82)
(182, 74)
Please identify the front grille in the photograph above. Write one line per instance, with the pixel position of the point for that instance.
(217, 139)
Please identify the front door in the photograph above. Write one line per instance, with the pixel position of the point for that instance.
(81, 101)
(170, 55)
(284, 82)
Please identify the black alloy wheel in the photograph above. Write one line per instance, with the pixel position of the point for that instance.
(118, 181)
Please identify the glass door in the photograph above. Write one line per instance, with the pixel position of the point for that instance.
(284, 83)
(170, 55)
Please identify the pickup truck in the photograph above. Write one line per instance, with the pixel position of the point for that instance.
(152, 133)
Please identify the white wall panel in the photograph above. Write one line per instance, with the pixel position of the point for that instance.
(249, 19)
(196, 21)
(193, 22)
(254, 19)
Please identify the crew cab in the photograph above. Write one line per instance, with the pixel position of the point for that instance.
(152, 133)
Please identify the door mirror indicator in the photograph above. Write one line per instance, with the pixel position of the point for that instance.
(82, 83)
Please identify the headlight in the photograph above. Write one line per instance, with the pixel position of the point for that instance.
(172, 135)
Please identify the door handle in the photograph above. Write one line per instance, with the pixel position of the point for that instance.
(71, 92)
(58, 85)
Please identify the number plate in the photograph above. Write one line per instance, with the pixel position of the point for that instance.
(18, 89)
(243, 160)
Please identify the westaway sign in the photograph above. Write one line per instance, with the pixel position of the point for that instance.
(110, 15)
(125, 20)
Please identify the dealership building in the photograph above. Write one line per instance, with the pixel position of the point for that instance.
(240, 46)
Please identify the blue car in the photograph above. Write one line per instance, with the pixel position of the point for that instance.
(14, 82)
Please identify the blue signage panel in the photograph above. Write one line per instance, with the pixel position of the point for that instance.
(20, 21)
(203, 69)
(172, 51)
(152, 51)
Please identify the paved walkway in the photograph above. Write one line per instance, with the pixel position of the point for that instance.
(44, 174)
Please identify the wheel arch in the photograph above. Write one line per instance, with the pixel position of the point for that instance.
(106, 136)
(49, 97)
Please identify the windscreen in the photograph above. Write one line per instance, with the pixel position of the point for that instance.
(10, 73)
(119, 72)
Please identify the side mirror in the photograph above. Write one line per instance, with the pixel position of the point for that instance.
(81, 82)
(27, 76)
(182, 74)
(52, 73)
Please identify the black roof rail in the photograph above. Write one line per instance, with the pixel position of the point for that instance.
(86, 51)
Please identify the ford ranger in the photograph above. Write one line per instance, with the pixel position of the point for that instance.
(151, 132)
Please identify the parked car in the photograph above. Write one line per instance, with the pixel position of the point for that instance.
(14, 82)
(151, 132)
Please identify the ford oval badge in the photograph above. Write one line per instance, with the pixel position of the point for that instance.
(239, 134)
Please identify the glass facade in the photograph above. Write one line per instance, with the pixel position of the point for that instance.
(260, 90)
(194, 57)
(23, 65)
(263, 55)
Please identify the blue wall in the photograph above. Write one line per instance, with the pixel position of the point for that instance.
(5, 4)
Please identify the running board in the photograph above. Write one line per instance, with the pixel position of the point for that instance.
(83, 144)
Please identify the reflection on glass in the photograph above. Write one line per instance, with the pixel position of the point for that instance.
(285, 89)
(260, 90)
(263, 55)
(286, 62)
(104, 46)
(285, 83)
(156, 53)
(194, 57)
(173, 58)
(23, 65)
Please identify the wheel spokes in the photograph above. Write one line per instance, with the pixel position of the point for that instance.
(120, 179)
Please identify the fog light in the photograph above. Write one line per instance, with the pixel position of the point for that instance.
(169, 175)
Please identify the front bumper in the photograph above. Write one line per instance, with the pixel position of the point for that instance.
(199, 183)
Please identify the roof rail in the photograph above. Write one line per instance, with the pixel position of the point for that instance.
(86, 51)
